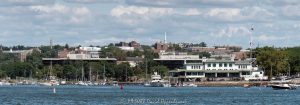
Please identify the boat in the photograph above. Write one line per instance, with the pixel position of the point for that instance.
(81, 83)
(246, 85)
(50, 83)
(284, 86)
(189, 85)
(157, 81)
(147, 84)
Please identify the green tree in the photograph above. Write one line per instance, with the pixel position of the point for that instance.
(162, 70)
(272, 60)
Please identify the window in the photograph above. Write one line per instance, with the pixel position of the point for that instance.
(192, 67)
(220, 64)
(225, 64)
(194, 73)
(214, 65)
(230, 65)
(200, 73)
(188, 73)
(260, 72)
(209, 65)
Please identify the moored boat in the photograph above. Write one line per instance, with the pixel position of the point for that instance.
(284, 86)
(157, 81)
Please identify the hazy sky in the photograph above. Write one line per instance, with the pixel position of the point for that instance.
(99, 22)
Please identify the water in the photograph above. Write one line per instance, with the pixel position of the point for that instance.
(93, 95)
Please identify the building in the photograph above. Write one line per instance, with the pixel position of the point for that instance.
(126, 48)
(160, 47)
(21, 54)
(175, 60)
(217, 70)
(89, 54)
(133, 61)
(211, 50)
(134, 44)
(131, 46)
(63, 54)
(186, 67)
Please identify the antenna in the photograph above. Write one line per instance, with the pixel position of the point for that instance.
(51, 43)
(165, 41)
(251, 43)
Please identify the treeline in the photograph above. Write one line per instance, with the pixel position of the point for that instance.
(33, 67)
(278, 61)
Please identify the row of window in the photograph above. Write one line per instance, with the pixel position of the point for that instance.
(196, 67)
(219, 69)
(220, 65)
(242, 66)
(194, 73)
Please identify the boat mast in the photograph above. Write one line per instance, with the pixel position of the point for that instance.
(90, 73)
(82, 70)
(50, 72)
(104, 78)
(146, 69)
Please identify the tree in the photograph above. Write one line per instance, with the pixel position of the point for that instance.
(294, 59)
(202, 44)
(273, 61)
(162, 70)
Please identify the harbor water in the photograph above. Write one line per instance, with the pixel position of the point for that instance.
(134, 95)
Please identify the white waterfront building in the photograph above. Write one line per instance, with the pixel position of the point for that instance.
(197, 69)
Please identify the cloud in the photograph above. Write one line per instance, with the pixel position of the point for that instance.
(232, 32)
(26, 2)
(271, 37)
(61, 13)
(191, 3)
(93, 1)
(192, 12)
(133, 15)
(237, 14)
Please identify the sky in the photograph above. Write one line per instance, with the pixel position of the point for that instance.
(100, 22)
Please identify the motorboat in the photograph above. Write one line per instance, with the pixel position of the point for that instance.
(189, 85)
(284, 86)
(157, 81)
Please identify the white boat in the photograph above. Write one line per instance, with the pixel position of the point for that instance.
(63, 82)
(5, 84)
(115, 83)
(82, 83)
(147, 84)
(189, 85)
(50, 83)
(157, 81)
(284, 86)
